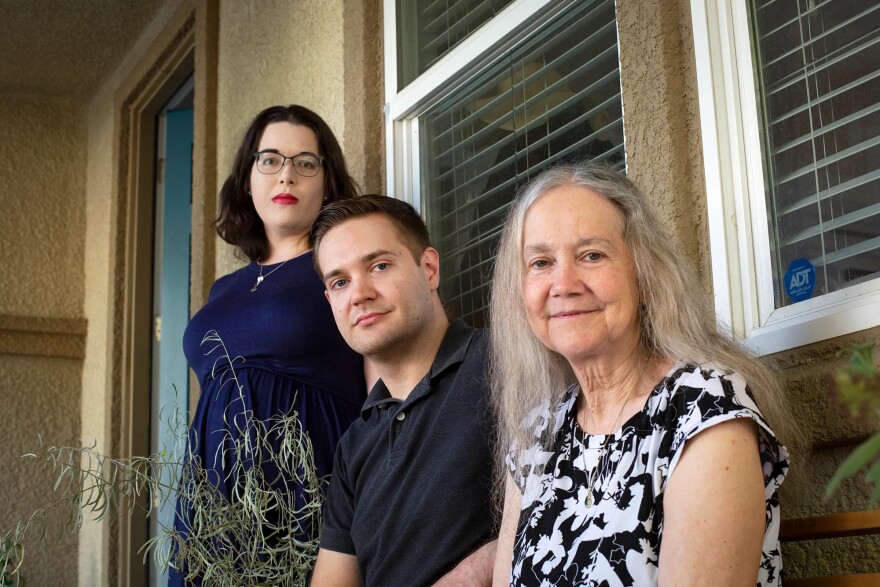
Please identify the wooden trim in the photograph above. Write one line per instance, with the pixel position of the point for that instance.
(862, 523)
(165, 67)
(38, 336)
(861, 580)
(204, 237)
(831, 526)
(204, 172)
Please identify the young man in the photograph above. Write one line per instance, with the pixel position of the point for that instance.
(410, 498)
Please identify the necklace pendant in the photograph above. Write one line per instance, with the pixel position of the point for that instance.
(589, 502)
(257, 284)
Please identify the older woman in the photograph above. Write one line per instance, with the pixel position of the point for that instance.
(636, 451)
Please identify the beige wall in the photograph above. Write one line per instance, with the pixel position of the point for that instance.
(39, 394)
(261, 64)
(95, 428)
(42, 195)
(42, 201)
(364, 137)
(832, 437)
(662, 121)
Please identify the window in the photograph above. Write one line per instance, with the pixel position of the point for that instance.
(542, 91)
(790, 109)
(427, 30)
(819, 83)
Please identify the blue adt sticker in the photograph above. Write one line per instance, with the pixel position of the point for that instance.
(800, 279)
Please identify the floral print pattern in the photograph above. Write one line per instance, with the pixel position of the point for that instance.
(617, 541)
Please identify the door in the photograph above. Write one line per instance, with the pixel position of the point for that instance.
(171, 282)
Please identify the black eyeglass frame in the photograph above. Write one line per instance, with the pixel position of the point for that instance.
(285, 159)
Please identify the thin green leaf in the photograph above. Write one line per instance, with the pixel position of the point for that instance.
(861, 456)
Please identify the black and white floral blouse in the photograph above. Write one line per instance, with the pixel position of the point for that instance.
(617, 540)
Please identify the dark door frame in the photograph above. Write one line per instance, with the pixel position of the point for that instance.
(165, 66)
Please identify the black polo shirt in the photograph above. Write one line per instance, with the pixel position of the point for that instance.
(410, 494)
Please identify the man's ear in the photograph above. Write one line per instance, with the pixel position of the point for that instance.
(430, 263)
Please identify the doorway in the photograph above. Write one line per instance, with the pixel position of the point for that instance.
(151, 87)
(169, 397)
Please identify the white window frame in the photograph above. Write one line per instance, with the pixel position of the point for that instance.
(742, 273)
(402, 108)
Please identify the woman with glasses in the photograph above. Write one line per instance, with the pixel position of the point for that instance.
(281, 353)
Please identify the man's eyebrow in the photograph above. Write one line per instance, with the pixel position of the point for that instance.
(364, 259)
(378, 253)
(333, 274)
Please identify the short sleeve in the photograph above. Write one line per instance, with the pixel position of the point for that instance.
(339, 507)
(706, 398)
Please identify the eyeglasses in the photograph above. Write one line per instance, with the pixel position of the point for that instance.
(305, 164)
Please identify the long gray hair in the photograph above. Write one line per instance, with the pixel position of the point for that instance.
(675, 321)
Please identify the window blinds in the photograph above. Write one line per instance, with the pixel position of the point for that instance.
(428, 29)
(819, 80)
(555, 97)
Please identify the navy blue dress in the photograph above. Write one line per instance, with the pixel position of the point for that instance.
(294, 359)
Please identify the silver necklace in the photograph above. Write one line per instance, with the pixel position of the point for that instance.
(261, 277)
(594, 474)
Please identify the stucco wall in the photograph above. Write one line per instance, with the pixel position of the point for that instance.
(42, 197)
(95, 427)
(364, 137)
(39, 394)
(661, 119)
(41, 207)
(261, 64)
(830, 438)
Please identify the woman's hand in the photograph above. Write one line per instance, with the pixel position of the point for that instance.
(714, 510)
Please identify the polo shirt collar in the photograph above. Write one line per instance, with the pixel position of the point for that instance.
(452, 351)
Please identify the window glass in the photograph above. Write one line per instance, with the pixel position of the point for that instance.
(428, 29)
(819, 86)
(554, 97)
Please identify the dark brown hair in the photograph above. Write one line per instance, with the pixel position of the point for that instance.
(238, 222)
(411, 226)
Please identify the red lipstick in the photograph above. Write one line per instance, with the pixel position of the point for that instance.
(285, 199)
